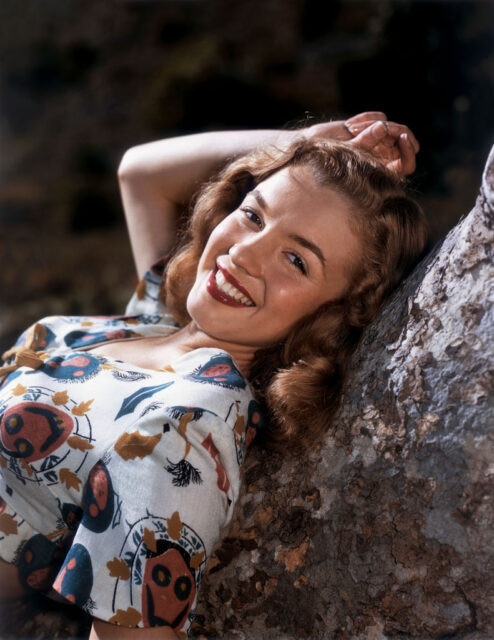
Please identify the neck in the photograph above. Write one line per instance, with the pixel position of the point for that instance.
(192, 337)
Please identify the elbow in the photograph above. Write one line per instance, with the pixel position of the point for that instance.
(128, 167)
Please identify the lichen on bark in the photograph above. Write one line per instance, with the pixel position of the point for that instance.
(387, 529)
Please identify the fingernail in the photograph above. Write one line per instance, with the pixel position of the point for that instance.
(354, 130)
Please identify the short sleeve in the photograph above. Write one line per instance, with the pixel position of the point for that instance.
(155, 506)
(147, 298)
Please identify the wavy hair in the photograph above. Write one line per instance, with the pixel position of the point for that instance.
(299, 382)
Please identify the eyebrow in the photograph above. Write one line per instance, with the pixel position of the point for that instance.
(304, 242)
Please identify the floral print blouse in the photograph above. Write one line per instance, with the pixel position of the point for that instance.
(116, 482)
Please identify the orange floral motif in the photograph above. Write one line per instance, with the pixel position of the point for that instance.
(118, 569)
(109, 365)
(76, 442)
(70, 480)
(7, 524)
(27, 467)
(141, 290)
(168, 367)
(240, 425)
(19, 390)
(82, 408)
(149, 540)
(58, 533)
(128, 618)
(131, 321)
(61, 397)
(197, 559)
(135, 445)
(174, 526)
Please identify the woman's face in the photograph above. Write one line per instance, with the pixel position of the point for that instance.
(286, 250)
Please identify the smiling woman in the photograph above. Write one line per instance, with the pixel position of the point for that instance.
(317, 233)
(122, 438)
(285, 264)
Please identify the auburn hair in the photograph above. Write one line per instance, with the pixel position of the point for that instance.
(299, 382)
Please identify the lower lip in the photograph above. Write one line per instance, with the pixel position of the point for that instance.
(221, 296)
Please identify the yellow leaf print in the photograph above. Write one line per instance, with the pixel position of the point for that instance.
(131, 321)
(108, 365)
(118, 569)
(58, 533)
(135, 445)
(174, 526)
(149, 540)
(82, 408)
(3, 462)
(86, 323)
(240, 425)
(76, 442)
(27, 467)
(182, 429)
(61, 397)
(19, 390)
(128, 618)
(7, 524)
(70, 480)
(141, 290)
(167, 367)
(196, 560)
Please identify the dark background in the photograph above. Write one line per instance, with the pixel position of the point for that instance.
(82, 81)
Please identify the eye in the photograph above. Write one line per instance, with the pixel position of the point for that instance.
(297, 262)
(252, 216)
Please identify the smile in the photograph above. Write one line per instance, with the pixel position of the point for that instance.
(220, 286)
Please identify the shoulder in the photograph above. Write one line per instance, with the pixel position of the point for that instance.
(213, 382)
(148, 296)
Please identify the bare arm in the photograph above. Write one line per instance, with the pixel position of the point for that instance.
(158, 179)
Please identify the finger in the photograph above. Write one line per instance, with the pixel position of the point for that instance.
(357, 128)
(371, 136)
(408, 164)
(405, 164)
(366, 116)
(387, 141)
(396, 130)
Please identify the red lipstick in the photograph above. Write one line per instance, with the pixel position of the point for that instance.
(221, 296)
(229, 278)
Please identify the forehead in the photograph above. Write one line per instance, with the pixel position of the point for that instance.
(294, 190)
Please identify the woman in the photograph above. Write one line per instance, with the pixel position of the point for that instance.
(121, 438)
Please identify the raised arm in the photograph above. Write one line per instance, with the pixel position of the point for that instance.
(158, 179)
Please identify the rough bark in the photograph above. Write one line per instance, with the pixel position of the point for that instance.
(388, 529)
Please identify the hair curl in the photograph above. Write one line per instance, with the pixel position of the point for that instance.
(300, 381)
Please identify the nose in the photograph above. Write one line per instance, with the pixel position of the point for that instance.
(250, 254)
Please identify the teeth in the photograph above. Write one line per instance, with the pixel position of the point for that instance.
(230, 290)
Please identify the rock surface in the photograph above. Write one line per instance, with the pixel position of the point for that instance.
(387, 529)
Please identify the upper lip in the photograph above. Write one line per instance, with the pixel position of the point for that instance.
(233, 281)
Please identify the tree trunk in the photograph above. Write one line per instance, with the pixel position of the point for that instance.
(387, 530)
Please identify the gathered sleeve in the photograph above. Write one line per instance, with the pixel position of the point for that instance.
(148, 296)
(155, 506)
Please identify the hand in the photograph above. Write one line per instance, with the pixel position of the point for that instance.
(392, 143)
(340, 129)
